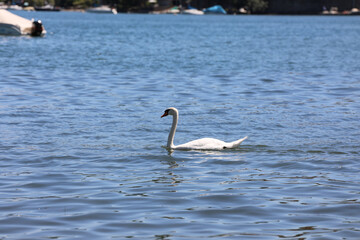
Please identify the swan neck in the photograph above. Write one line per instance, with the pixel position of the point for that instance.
(170, 143)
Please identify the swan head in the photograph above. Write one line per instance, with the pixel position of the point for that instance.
(170, 111)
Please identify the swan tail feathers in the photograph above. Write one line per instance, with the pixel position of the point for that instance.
(236, 143)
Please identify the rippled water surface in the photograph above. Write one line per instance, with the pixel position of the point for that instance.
(81, 137)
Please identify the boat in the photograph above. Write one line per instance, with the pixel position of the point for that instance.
(243, 11)
(29, 8)
(173, 10)
(14, 7)
(48, 8)
(217, 9)
(192, 11)
(14, 25)
(333, 11)
(355, 11)
(102, 9)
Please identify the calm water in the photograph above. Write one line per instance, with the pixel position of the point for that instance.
(81, 137)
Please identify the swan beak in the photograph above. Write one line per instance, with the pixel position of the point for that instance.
(166, 112)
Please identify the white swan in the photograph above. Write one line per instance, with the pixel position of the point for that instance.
(199, 144)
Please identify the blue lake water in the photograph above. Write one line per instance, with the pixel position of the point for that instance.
(81, 136)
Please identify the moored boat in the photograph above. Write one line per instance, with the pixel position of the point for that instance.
(48, 7)
(192, 11)
(14, 25)
(102, 9)
(217, 9)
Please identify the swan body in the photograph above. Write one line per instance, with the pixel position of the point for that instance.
(199, 144)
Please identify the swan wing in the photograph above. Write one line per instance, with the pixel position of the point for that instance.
(202, 144)
(209, 144)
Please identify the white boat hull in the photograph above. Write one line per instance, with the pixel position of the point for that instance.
(193, 12)
(14, 25)
(102, 9)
